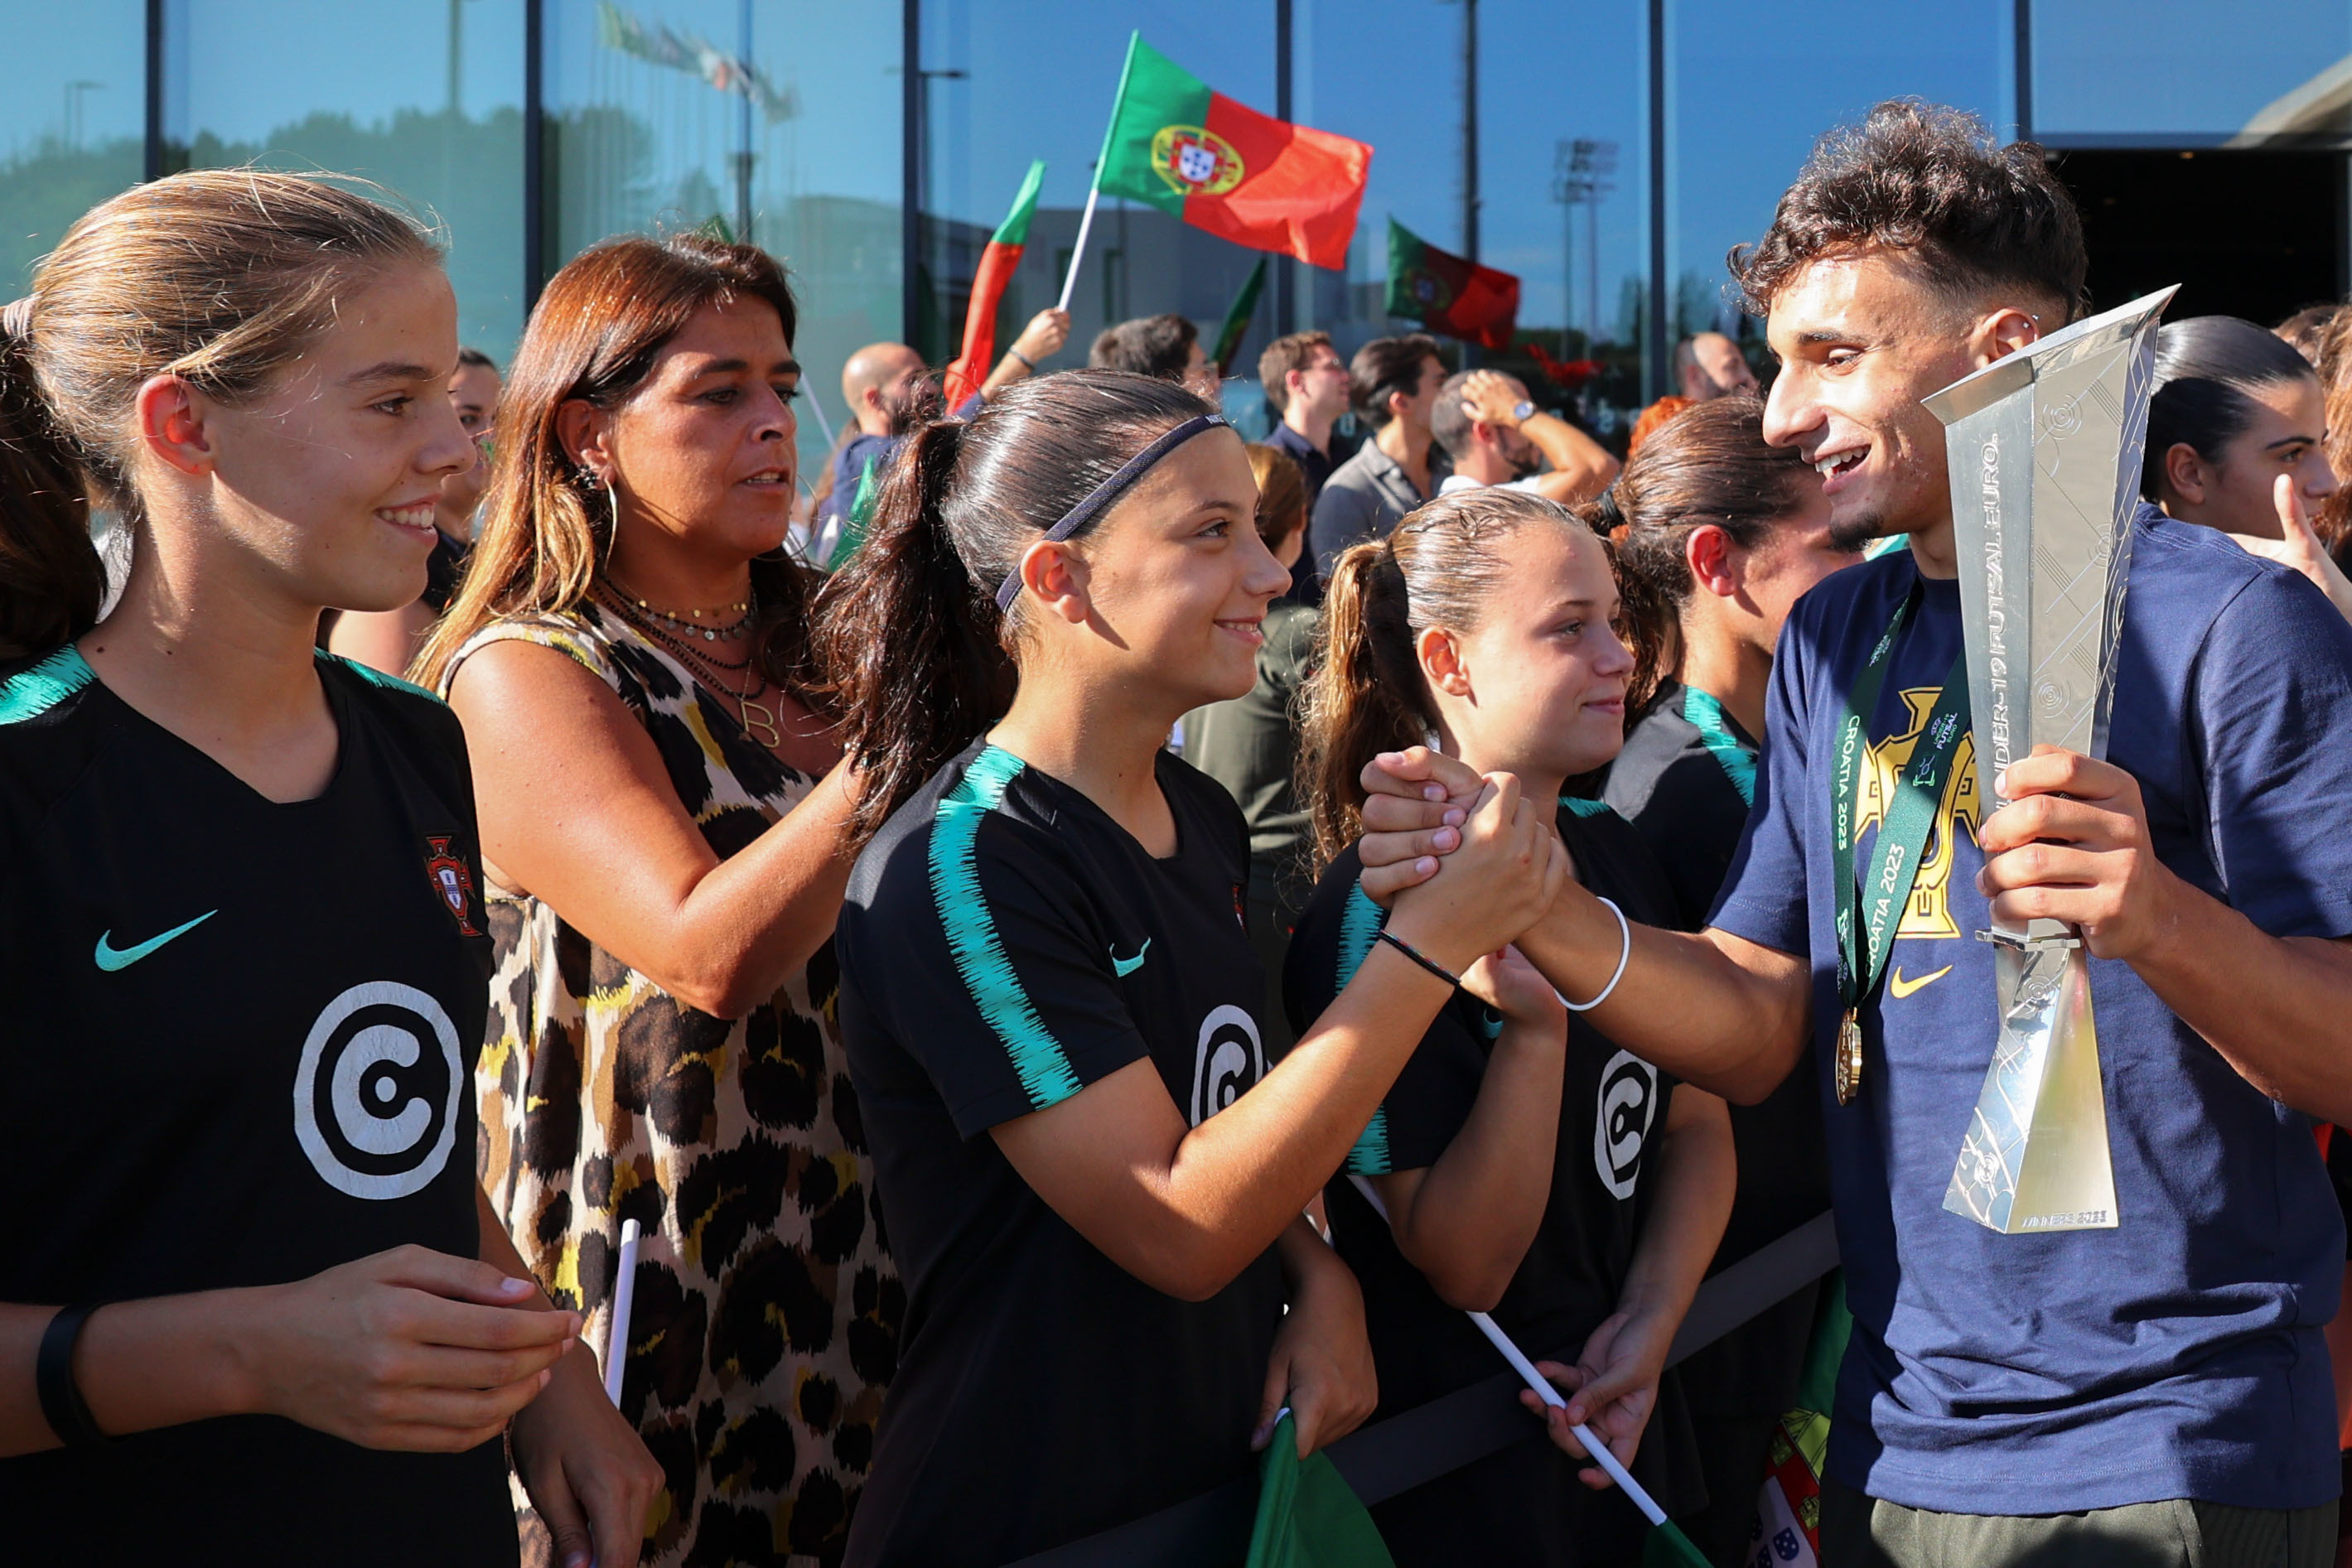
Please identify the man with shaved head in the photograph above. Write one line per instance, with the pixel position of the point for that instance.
(891, 392)
(1711, 366)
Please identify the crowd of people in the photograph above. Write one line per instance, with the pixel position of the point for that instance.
(1084, 945)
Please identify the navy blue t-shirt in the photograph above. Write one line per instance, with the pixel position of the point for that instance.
(2179, 1354)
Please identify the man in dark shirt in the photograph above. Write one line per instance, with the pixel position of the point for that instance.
(1306, 385)
(1394, 383)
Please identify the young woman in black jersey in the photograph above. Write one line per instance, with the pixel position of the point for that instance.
(1092, 1181)
(1717, 534)
(255, 1314)
(2237, 441)
(1527, 1165)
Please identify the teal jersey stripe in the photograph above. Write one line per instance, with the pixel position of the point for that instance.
(28, 694)
(376, 677)
(1705, 715)
(980, 961)
(1359, 923)
(1578, 805)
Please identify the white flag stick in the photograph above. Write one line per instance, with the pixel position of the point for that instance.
(1542, 1385)
(808, 390)
(624, 1296)
(1078, 252)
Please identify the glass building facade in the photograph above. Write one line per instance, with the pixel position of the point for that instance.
(1609, 153)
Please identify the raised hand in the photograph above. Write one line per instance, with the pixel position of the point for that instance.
(2298, 545)
(1502, 879)
(1415, 801)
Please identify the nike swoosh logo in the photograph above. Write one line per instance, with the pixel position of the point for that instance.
(1123, 967)
(111, 959)
(1902, 987)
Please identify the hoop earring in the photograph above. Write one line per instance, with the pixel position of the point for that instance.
(613, 532)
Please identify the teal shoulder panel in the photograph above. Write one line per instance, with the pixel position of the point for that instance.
(1038, 1059)
(1578, 805)
(376, 677)
(31, 692)
(1360, 925)
(1704, 714)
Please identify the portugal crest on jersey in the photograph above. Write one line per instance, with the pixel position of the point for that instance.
(1195, 162)
(453, 883)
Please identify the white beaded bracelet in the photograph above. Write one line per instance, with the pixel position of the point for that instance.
(1625, 935)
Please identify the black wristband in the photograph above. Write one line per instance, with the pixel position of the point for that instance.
(1409, 951)
(53, 1378)
(1025, 360)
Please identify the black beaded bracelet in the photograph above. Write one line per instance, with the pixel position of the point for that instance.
(53, 1379)
(1409, 951)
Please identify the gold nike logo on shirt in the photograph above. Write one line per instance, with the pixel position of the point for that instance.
(1902, 987)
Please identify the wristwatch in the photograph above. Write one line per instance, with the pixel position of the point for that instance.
(1523, 411)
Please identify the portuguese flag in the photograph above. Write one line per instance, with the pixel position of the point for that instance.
(996, 264)
(1242, 175)
(1448, 294)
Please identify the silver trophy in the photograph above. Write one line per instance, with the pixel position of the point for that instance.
(2044, 449)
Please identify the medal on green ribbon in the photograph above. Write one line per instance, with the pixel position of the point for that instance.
(1870, 910)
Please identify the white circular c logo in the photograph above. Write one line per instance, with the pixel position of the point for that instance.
(1227, 1062)
(1629, 1102)
(375, 1107)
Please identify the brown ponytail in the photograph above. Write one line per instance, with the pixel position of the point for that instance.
(50, 579)
(1367, 695)
(916, 657)
(1708, 464)
(222, 277)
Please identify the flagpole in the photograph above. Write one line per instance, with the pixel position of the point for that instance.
(1102, 161)
(1593, 1446)
(1078, 252)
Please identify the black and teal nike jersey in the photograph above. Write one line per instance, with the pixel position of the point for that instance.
(1524, 1504)
(1003, 945)
(237, 1050)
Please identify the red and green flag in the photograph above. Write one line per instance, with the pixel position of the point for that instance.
(1198, 155)
(1449, 294)
(996, 264)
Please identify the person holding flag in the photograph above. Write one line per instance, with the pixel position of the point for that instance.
(1051, 1006)
(1527, 1165)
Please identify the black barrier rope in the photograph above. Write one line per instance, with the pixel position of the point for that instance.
(1426, 1442)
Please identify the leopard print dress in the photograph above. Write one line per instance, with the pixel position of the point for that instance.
(767, 1311)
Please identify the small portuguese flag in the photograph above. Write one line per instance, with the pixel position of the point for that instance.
(1448, 294)
(1242, 175)
(996, 264)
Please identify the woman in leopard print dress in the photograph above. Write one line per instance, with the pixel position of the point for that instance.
(661, 822)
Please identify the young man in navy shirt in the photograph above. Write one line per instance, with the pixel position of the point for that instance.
(2156, 1392)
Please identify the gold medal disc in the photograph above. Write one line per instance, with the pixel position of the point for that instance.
(1848, 1065)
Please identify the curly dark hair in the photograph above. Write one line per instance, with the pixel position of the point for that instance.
(1973, 216)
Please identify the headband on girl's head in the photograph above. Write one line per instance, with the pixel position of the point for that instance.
(1109, 490)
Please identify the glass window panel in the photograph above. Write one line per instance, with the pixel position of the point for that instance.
(422, 96)
(654, 128)
(72, 126)
(1008, 80)
(1735, 142)
(1390, 72)
(2190, 73)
